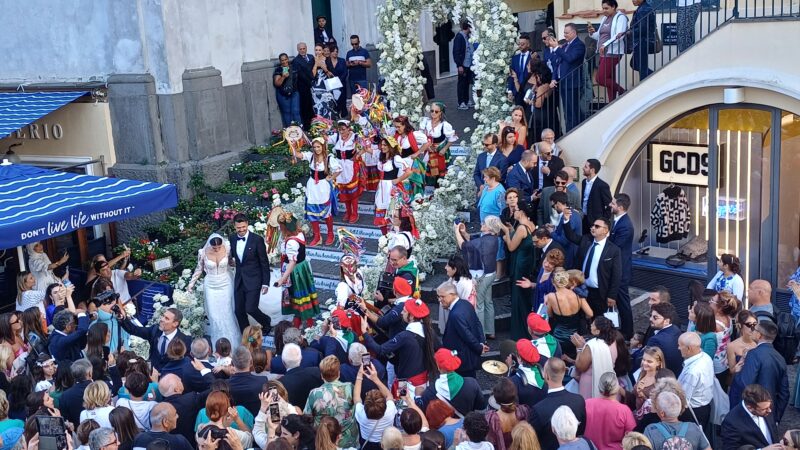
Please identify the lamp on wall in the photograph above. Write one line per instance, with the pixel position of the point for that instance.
(733, 95)
(11, 156)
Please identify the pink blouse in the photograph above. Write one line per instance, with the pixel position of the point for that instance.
(607, 422)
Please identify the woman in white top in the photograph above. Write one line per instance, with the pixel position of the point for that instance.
(27, 296)
(393, 169)
(440, 136)
(402, 232)
(458, 271)
(348, 180)
(728, 278)
(352, 280)
(610, 39)
(41, 267)
(97, 403)
(377, 412)
(320, 194)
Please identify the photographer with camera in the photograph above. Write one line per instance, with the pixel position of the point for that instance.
(108, 305)
(337, 335)
(159, 336)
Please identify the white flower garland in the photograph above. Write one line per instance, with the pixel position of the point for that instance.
(401, 56)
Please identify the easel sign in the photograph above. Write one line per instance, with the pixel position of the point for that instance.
(162, 264)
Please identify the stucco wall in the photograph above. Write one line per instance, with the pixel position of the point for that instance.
(85, 40)
(697, 78)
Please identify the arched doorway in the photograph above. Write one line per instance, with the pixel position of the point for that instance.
(729, 175)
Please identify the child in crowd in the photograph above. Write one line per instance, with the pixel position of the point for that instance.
(222, 353)
(637, 343)
(578, 283)
(86, 427)
(476, 428)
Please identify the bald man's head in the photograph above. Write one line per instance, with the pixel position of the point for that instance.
(170, 384)
(163, 417)
(759, 293)
(689, 344)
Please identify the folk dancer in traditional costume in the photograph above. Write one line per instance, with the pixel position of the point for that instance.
(296, 275)
(440, 136)
(393, 170)
(410, 351)
(320, 193)
(349, 181)
(410, 149)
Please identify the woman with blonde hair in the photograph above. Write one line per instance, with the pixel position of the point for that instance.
(253, 337)
(652, 362)
(97, 403)
(329, 432)
(523, 437)
(320, 192)
(566, 311)
(392, 439)
(634, 439)
(334, 398)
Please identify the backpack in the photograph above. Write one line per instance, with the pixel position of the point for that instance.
(674, 441)
(788, 337)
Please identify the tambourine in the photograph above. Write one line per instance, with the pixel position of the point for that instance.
(272, 219)
(358, 102)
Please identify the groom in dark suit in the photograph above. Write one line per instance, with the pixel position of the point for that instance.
(252, 274)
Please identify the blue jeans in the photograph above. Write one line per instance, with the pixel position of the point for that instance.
(290, 108)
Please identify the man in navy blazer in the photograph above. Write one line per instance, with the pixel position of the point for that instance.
(557, 395)
(245, 386)
(751, 421)
(252, 274)
(569, 60)
(520, 176)
(666, 336)
(68, 339)
(71, 402)
(193, 380)
(519, 67)
(159, 336)
(603, 271)
(463, 332)
(462, 57)
(766, 367)
(490, 157)
(622, 235)
(560, 202)
(595, 195)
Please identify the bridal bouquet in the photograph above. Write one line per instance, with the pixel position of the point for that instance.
(190, 304)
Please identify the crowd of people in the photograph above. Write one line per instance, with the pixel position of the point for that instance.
(380, 374)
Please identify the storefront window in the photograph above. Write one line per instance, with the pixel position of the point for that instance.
(667, 181)
(788, 252)
(744, 137)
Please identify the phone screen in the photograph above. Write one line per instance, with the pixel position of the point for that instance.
(365, 359)
(52, 433)
(274, 413)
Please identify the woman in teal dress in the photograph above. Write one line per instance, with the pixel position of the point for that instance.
(520, 262)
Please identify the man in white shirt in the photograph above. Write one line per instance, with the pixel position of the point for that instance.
(697, 377)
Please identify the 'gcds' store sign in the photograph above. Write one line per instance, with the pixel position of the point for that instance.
(679, 164)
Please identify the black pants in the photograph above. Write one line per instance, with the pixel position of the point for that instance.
(246, 302)
(464, 83)
(598, 304)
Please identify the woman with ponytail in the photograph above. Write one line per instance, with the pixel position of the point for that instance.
(328, 434)
(729, 277)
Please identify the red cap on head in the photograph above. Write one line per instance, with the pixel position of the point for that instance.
(417, 308)
(447, 360)
(537, 324)
(527, 351)
(401, 286)
(344, 319)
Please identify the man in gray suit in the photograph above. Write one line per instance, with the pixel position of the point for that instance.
(546, 213)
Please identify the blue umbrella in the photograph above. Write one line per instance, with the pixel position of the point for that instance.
(37, 204)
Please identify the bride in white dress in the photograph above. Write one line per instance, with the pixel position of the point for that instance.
(217, 288)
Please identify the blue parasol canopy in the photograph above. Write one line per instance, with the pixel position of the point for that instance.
(37, 204)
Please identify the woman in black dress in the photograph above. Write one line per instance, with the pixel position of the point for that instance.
(543, 100)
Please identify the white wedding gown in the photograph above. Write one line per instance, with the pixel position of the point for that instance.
(218, 293)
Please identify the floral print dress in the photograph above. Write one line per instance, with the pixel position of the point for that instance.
(335, 399)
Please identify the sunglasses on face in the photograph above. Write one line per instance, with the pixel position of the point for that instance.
(560, 183)
(598, 226)
(751, 325)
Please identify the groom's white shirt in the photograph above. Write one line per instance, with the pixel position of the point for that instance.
(240, 245)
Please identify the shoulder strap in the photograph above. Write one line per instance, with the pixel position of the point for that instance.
(683, 430)
(663, 430)
(441, 397)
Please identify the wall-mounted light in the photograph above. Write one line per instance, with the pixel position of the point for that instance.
(733, 95)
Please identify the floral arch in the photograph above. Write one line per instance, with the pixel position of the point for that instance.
(401, 54)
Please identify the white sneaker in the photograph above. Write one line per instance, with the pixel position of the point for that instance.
(471, 104)
(463, 107)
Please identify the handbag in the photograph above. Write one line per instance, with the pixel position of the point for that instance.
(331, 84)
(613, 315)
(656, 45)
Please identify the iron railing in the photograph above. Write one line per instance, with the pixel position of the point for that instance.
(663, 24)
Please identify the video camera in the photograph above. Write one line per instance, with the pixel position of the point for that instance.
(107, 298)
(353, 305)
